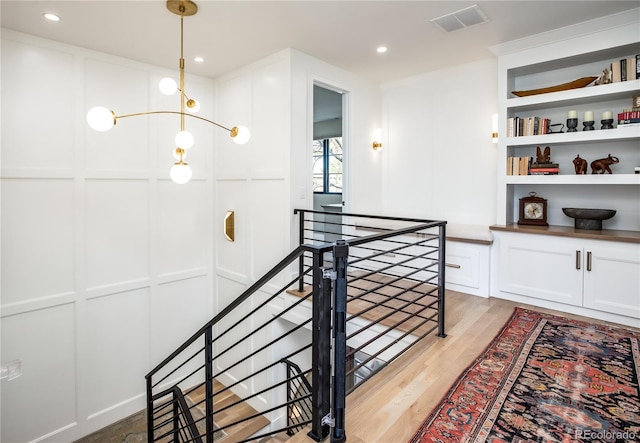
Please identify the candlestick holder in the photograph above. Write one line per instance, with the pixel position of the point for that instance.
(588, 126)
(607, 123)
(572, 124)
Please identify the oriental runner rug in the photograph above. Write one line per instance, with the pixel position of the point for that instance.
(544, 378)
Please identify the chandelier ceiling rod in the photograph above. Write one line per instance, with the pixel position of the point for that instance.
(103, 119)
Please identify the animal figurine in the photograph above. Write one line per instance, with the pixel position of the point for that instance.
(603, 165)
(580, 165)
(543, 158)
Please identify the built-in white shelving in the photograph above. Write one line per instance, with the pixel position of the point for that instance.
(556, 63)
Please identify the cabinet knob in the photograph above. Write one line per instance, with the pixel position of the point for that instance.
(589, 261)
(578, 259)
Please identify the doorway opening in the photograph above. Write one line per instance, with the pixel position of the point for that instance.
(328, 150)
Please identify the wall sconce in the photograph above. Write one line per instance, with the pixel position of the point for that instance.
(494, 128)
(377, 140)
(102, 119)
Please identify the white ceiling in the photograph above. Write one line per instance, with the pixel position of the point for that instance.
(230, 34)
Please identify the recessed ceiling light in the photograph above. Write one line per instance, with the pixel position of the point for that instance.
(198, 59)
(51, 16)
(381, 49)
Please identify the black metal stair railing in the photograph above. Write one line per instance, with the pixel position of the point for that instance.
(299, 406)
(367, 289)
(230, 367)
(395, 291)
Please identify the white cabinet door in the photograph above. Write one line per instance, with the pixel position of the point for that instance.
(468, 268)
(612, 277)
(541, 267)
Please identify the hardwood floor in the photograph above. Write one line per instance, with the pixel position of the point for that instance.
(392, 405)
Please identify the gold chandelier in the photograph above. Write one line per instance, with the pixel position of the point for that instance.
(102, 119)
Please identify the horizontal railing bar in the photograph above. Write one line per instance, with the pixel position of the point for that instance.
(377, 217)
(370, 324)
(394, 342)
(271, 320)
(406, 260)
(394, 310)
(262, 370)
(250, 417)
(394, 279)
(249, 397)
(397, 250)
(418, 281)
(170, 373)
(260, 306)
(286, 334)
(410, 230)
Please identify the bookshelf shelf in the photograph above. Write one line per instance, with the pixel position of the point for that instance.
(571, 138)
(568, 179)
(574, 97)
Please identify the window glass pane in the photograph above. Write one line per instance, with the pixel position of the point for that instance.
(335, 146)
(327, 165)
(318, 165)
(318, 148)
(335, 183)
(318, 183)
(335, 165)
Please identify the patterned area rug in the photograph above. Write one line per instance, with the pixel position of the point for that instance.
(544, 379)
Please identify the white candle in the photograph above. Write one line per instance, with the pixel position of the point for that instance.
(572, 114)
(607, 115)
(588, 116)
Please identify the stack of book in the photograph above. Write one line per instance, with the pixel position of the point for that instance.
(518, 165)
(544, 169)
(521, 126)
(625, 69)
(629, 117)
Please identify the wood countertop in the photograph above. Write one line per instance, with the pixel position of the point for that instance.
(568, 231)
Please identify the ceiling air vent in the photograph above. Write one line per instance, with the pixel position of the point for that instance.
(464, 18)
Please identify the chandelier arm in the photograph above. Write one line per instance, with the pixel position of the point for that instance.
(181, 114)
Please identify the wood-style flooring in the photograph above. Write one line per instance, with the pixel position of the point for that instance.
(391, 406)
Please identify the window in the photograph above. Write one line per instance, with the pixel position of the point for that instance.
(327, 165)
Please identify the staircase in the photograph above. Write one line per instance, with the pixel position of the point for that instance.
(282, 358)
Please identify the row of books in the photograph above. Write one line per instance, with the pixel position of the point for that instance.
(629, 117)
(520, 126)
(625, 69)
(526, 166)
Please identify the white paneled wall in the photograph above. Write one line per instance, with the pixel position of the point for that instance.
(439, 161)
(107, 265)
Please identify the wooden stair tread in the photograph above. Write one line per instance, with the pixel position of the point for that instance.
(241, 431)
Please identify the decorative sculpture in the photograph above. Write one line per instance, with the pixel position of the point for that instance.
(543, 158)
(603, 165)
(580, 165)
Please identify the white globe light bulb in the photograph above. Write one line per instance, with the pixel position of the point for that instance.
(184, 139)
(180, 173)
(240, 134)
(168, 86)
(101, 118)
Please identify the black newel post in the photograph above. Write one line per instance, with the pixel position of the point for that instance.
(340, 256)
